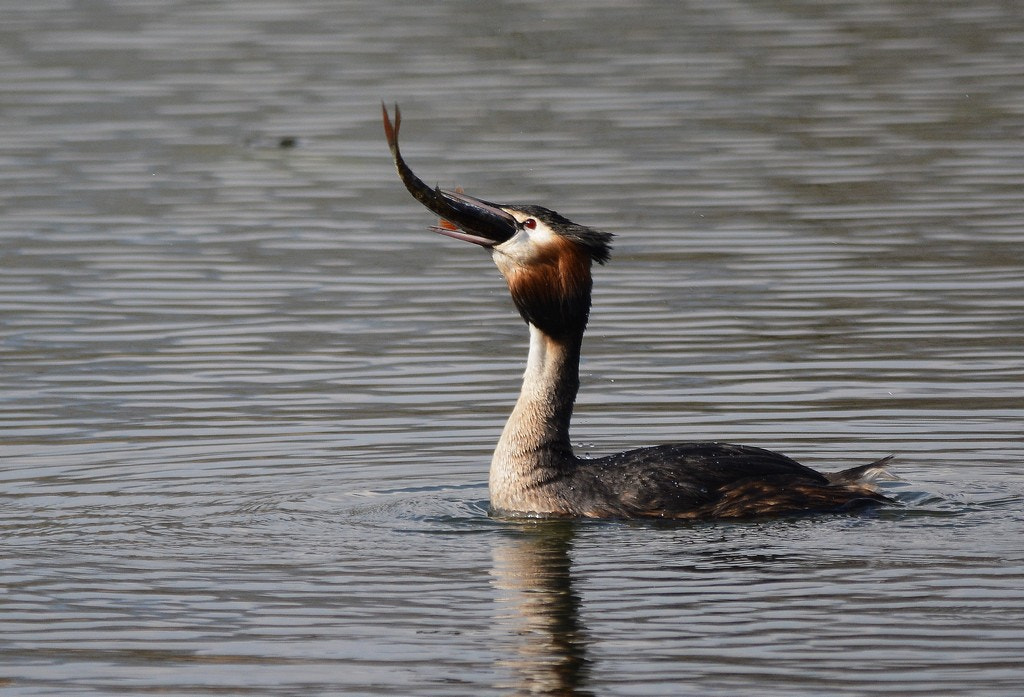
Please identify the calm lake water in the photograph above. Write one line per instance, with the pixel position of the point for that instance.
(248, 400)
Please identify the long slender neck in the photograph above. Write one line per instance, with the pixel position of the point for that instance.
(534, 450)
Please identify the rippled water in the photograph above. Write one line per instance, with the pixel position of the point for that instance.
(247, 400)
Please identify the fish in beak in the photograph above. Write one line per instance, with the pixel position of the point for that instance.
(470, 219)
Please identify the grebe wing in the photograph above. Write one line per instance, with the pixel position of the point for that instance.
(697, 480)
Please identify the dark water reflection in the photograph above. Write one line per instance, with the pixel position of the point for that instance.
(247, 401)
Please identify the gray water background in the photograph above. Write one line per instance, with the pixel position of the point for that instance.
(247, 399)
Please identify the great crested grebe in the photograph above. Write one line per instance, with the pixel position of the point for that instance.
(546, 261)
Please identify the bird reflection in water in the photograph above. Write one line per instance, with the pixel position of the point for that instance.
(540, 610)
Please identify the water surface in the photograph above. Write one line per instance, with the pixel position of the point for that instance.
(247, 400)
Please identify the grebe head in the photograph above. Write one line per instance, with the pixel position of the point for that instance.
(546, 264)
(544, 257)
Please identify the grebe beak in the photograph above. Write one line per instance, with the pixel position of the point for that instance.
(482, 222)
(472, 219)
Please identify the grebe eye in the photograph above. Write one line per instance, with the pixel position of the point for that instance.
(530, 224)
